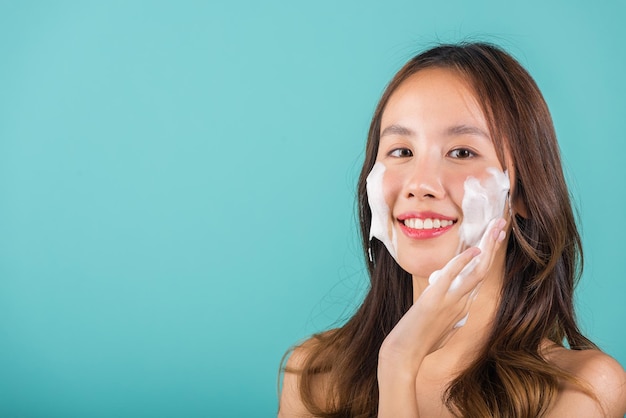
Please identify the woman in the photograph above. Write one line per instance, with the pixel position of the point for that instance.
(448, 330)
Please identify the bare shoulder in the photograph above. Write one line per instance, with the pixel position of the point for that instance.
(300, 353)
(601, 373)
(291, 403)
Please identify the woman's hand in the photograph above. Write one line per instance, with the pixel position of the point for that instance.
(436, 315)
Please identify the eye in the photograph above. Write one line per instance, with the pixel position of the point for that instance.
(400, 153)
(461, 153)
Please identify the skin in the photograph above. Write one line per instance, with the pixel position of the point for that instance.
(433, 136)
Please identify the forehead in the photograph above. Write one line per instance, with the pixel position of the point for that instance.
(437, 95)
(440, 100)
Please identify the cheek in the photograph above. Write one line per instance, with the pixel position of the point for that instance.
(455, 187)
(392, 187)
(455, 183)
(484, 200)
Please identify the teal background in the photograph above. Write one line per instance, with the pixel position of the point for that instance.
(177, 184)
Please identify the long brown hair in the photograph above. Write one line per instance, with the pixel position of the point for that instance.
(543, 263)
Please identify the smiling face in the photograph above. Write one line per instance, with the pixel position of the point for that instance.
(433, 137)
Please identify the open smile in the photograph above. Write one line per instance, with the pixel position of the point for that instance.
(428, 223)
(424, 226)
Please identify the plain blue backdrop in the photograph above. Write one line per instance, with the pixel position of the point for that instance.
(177, 184)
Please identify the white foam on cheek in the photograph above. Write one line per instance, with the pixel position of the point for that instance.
(380, 211)
(482, 203)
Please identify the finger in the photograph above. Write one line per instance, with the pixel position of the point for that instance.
(489, 244)
(474, 272)
(494, 234)
(446, 338)
(468, 303)
(453, 268)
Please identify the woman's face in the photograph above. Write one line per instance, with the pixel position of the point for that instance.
(433, 137)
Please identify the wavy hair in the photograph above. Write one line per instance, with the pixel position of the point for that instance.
(510, 378)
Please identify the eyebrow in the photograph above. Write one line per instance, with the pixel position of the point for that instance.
(396, 130)
(451, 131)
(466, 130)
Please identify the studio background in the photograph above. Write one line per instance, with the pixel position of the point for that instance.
(177, 184)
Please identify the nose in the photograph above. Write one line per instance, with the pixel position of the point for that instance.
(424, 181)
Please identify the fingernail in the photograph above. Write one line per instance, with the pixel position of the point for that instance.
(501, 236)
(498, 228)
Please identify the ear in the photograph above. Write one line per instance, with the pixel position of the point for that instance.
(517, 197)
(518, 205)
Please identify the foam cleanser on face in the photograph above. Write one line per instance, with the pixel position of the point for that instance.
(483, 202)
(380, 226)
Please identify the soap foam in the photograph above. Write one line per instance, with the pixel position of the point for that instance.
(380, 211)
(482, 203)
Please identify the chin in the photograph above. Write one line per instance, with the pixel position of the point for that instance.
(421, 258)
(421, 268)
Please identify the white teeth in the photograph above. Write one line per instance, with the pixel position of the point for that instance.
(414, 223)
(428, 223)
